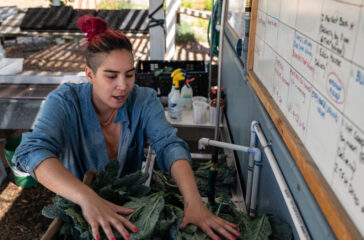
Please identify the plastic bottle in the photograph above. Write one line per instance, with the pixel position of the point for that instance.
(187, 94)
(175, 100)
(170, 95)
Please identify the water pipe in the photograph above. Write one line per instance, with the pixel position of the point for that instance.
(287, 196)
(213, 171)
(221, 44)
(203, 142)
(249, 181)
(211, 46)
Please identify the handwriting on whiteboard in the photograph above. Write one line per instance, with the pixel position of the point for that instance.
(324, 109)
(302, 51)
(335, 88)
(281, 82)
(359, 78)
(298, 101)
(330, 36)
(349, 165)
(302, 55)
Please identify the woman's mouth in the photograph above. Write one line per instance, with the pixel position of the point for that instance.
(119, 99)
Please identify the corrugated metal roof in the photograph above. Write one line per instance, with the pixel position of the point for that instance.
(45, 22)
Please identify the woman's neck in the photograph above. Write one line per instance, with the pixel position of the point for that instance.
(103, 112)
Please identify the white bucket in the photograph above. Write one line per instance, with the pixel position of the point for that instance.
(213, 113)
(199, 111)
(199, 99)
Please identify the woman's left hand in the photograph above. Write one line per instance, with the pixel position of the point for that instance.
(196, 212)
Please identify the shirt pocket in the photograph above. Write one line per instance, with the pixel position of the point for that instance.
(132, 149)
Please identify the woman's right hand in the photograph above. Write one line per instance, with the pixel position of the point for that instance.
(99, 212)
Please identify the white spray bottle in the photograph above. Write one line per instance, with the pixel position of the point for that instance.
(187, 94)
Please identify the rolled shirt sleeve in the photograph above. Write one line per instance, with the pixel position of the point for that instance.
(46, 140)
(162, 135)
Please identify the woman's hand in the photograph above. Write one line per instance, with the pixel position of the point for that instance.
(102, 213)
(195, 212)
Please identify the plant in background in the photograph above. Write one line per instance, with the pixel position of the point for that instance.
(115, 4)
(209, 4)
(187, 4)
(184, 33)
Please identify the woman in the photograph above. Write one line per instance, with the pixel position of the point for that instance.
(82, 126)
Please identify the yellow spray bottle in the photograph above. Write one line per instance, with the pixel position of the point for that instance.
(174, 97)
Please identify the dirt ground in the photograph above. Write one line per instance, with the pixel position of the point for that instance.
(20, 211)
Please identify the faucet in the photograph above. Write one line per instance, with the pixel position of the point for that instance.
(203, 142)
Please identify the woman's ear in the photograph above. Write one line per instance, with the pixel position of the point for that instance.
(89, 74)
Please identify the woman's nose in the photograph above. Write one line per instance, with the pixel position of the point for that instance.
(121, 83)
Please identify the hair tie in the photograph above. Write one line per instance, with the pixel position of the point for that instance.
(92, 26)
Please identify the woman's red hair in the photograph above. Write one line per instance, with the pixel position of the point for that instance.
(101, 39)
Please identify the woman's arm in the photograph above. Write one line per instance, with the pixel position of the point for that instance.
(97, 211)
(195, 211)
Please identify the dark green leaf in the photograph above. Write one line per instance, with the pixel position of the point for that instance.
(51, 211)
(281, 230)
(149, 216)
(62, 203)
(108, 193)
(256, 229)
(130, 180)
(139, 190)
(173, 231)
(107, 176)
(76, 217)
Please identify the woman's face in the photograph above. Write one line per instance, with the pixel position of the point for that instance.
(113, 80)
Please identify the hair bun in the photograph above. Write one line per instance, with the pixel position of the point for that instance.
(91, 25)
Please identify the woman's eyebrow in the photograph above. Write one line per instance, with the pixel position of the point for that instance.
(132, 69)
(111, 71)
(115, 71)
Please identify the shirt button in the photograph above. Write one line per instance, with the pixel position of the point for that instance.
(28, 168)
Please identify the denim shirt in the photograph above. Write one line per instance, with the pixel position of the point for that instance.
(68, 129)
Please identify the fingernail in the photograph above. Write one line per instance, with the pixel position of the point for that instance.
(239, 233)
(127, 236)
(235, 225)
(232, 237)
(136, 229)
(113, 238)
(97, 237)
(218, 238)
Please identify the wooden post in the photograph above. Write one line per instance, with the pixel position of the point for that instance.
(156, 31)
(172, 8)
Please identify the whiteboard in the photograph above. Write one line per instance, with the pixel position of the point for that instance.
(309, 55)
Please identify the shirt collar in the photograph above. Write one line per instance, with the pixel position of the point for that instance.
(121, 117)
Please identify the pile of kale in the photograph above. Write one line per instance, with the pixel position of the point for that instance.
(158, 210)
(225, 179)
